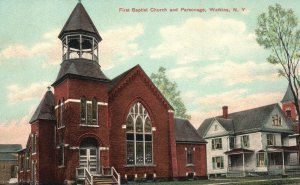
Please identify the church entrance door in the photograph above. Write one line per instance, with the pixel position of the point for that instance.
(89, 159)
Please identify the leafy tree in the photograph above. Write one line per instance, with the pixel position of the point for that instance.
(170, 92)
(277, 31)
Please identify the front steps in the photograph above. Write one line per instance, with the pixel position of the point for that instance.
(104, 180)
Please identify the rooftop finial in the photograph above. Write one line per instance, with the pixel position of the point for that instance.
(49, 88)
(79, 1)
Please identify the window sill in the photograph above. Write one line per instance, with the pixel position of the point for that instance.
(190, 165)
(61, 166)
(61, 127)
(33, 153)
(141, 165)
(218, 169)
(95, 126)
(27, 170)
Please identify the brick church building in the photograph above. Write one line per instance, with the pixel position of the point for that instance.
(92, 127)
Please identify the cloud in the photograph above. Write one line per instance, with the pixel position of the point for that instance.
(205, 39)
(232, 73)
(119, 45)
(15, 131)
(18, 94)
(50, 47)
(183, 72)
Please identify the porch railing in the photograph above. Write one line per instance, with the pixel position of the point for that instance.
(239, 169)
(116, 175)
(88, 176)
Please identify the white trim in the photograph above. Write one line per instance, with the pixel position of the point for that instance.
(123, 126)
(74, 147)
(78, 101)
(170, 111)
(103, 148)
(153, 129)
(61, 127)
(86, 125)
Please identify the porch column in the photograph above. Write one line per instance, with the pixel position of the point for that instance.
(244, 164)
(283, 165)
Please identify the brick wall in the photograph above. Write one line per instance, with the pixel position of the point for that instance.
(138, 89)
(199, 159)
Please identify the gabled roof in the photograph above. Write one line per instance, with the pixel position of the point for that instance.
(9, 148)
(119, 81)
(80, 67)
(79, 21)
(45, 110)
(243, 121)
(288, 96)
(8, 157)
(185, 132)
(227, 124)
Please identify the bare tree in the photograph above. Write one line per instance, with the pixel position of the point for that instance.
(277, 31)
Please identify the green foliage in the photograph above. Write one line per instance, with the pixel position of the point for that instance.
(170, 92)
(277, 31)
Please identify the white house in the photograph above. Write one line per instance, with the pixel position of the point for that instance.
(258, 140)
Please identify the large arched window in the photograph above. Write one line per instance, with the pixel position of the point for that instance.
(139, 136)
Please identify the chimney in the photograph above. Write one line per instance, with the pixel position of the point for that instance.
(225, 112)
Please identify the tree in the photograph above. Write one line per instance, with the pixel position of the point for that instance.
(277, 31)
(170, 92)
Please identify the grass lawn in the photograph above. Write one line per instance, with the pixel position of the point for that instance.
(236, 181)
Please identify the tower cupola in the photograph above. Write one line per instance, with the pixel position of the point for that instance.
(79, 36)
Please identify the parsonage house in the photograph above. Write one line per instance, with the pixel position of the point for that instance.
(8, 162)
(92, 128)
(250, 142)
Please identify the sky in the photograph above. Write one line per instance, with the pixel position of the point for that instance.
(212, 55)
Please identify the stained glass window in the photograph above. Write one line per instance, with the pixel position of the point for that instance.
(139, 136)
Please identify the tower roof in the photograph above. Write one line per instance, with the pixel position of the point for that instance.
(45, 110)
(79, 21)
(288, 96)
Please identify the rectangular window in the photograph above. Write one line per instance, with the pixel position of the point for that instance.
(276, 120)
(89, 114)
(271, 140)
(33, 143)
(189, 156)
(216, 143)
(218, 162)
(261, 159)
(245, 143)
(231, 142)
(61, 156)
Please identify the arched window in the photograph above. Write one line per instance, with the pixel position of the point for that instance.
(139, 136)
(58, 115)
(83, 110)
(94, 111)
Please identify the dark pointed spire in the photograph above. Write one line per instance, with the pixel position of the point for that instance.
(45, 110)
(288, 96)
(80, 22)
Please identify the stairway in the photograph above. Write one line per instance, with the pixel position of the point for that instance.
(104, 180)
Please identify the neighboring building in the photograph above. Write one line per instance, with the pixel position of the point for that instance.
(288, 104)
(191, 150)
(8, 162)
(258, 140)
(93, 126)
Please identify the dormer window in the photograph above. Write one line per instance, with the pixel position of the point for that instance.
(216, 127)
(276, 120)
